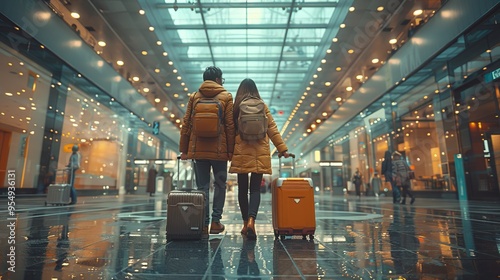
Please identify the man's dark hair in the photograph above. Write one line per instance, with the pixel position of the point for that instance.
(212, 73)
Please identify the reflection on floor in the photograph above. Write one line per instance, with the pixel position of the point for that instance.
(123, 237)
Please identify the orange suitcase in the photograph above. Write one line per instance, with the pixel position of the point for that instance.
(293, 206)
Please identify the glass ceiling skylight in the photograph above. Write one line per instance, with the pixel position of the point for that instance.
(277, 44)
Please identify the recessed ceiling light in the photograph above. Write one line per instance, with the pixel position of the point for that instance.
(135, 79)
(335, 39)
(157, 100)
(144, 53)
(323, 61)
(119, 62)
(380, 8)
(359, 77)
(348, 88)
(142, 12)
(328, 84)
(351, 51)
(342, 25)
(151, 28)
(338, 69)
(75, 15)
(101, 43)
(351, 9)
(329, 51)
(145, 89)
(418, 12)
(158, 43)
(375, 60)
(165, 53)
(393, 41)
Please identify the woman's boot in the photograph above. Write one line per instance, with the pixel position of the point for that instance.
(244, 229)
(251, 228)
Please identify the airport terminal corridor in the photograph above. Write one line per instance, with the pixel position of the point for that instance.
(123, 237)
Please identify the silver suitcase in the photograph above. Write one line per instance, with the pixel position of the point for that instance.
(59, 193)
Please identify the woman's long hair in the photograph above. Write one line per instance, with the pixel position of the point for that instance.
(247, 88)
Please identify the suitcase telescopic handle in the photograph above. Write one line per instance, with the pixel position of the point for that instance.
(293, 163)
(179, 171)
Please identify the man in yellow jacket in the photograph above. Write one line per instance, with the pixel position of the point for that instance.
(210, 153)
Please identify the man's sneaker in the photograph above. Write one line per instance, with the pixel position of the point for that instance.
(216, 227)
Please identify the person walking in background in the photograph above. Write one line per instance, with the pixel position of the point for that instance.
(387, 172)
(210, 153)
(376, 183)
(401, 176)
(73, 166)
(252, 156)
(151, 183)
(357, 180)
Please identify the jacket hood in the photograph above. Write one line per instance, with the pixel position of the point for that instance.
(210, 88)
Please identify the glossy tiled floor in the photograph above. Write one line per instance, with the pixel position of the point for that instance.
(123, 237)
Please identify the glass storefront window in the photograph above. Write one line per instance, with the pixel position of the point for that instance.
(98, 132)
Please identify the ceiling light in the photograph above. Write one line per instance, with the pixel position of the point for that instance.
(318, 121)
(306, 112)
(315, 76)
(319, 69)
(167, 84)
(172, 115)
(165, 108)
(349, 88)
(75, 15)
(351, 51)
(393, 41)
(142, 12)
(418, 12)
(351, 9)
(380, 8)
(329, 51)
(375, 60)
(176, 95)
(8, 94)
(359, 77)
(324, 114)
(144, 53)
(120, 63)
(335, 39)
(342, 25)
(327, 84)
(157, 100)
(151, 28)
(135, 79)
(157, 70)
(338, 69)
(158, 43)
(319, 94)
(174, 71)
(165, 53)
(101, 43)
(313, 105)
(308, 130)
(323, 61)
(145, 89)
(170, 62)
(179, 78)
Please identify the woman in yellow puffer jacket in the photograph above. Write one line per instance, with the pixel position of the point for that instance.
(252, 156)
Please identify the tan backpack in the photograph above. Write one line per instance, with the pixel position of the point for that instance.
(252, 121)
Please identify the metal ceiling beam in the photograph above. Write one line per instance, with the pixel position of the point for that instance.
(244, 26)
(260, 58)
(252, 5)
(244, 44)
